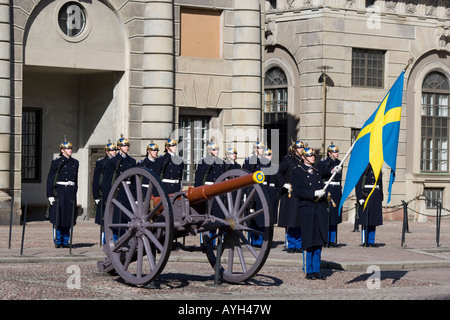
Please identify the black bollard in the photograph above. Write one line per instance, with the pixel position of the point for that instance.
(405, 220)
(23, 227)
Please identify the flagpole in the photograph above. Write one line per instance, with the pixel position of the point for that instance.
(340, 165)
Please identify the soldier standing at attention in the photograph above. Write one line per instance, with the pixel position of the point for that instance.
(113, 169)
(327, 167)
(62, 186)
(253, 164)
(230, 162)
(372, 216)
(170, 167)
(149, 162)
(288, 216)
(99, 171)
(307, 186)
(271, 183)
(208, 170)
(210, 167)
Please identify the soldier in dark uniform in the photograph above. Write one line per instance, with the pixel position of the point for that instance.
(307, 186)
(99, 171)
(210, 167)
(271, 183)
(253, 164)
(372, 216)
(327, 167)
(62, 186)
(149, 162)
(230, 162)
(208, 170)
(113, 169)
(288, 216)
(170, 167)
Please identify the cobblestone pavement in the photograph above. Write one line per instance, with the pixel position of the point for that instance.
(418, 270)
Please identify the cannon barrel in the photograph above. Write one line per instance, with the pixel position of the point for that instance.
(206, 192)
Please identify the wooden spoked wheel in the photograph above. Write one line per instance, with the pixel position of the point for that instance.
(138, 227)
(246, 217)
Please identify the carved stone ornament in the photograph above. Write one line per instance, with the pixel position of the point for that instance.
(271, 33)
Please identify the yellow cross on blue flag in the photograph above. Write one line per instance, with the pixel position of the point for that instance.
(377, 141)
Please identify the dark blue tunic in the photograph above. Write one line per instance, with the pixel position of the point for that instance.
(288, 216)
(208, 170)
(334, 188)
(374, 207)
(99, 172)
(116, 166)
(63, 212)
(313, 213)
(170, 170)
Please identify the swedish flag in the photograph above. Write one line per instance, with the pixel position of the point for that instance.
(377, 141)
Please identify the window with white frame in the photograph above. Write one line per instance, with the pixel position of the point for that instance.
(192, 142)
(435, 121)
(275, 91)
(433, 196)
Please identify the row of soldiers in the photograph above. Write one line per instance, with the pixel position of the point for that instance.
(297, 198)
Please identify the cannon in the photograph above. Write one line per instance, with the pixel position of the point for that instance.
(141, 222)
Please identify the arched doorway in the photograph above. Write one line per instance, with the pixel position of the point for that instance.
(74, 84)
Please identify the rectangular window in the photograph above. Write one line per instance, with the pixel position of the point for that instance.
(433, 196)
(31, 144)
(200, 33)
(434, 132)
(367, 68)
(354, 134)
(275, 100)
(192, 143)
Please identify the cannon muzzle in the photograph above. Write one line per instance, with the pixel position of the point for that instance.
(206, 192)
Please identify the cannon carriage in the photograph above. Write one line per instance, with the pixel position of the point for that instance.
(141, 222)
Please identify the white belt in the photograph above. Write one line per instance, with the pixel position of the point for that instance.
(371, 186)
(170, 180)
(335, 183)
(145, 185)
(209, 183)
(270, 184)
(66, 183)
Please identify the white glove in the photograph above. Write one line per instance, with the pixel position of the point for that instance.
(51, 200)
(361, 202)
(97, 201)
(288, 186)
(319, 193)
(337, 169)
